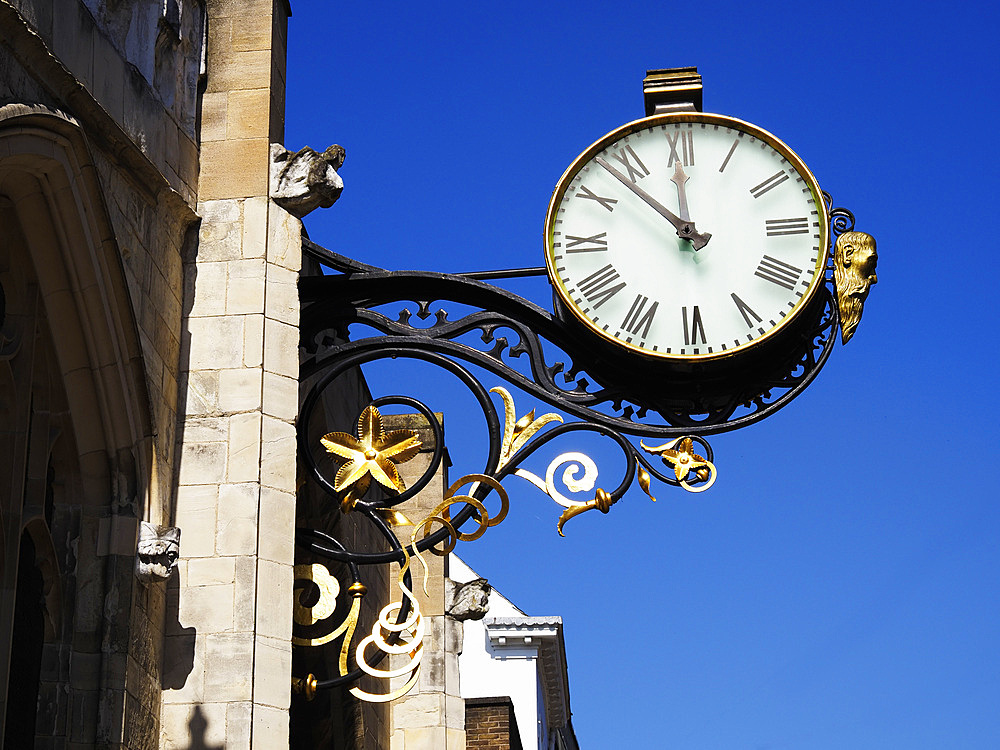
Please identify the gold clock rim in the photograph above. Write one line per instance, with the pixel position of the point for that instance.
(697, 117)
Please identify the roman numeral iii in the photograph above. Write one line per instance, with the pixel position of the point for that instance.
(639, 317)
(779, 227)
(694, 329)
(600, 286)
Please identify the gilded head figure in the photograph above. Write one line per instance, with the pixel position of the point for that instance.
(854, 261)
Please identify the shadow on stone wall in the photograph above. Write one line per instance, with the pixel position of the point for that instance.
(180, 643)
(198, 726)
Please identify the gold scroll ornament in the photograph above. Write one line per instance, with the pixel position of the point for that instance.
(392, 639)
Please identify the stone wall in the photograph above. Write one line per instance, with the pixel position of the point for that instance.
(55, 53)
(229, 621)
(432, 714)
(135, 180)
(133, 74)
(219, 381)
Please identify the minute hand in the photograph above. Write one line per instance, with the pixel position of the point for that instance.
(685, 229)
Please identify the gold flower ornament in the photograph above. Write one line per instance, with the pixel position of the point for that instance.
(373, 453)
(679, 455)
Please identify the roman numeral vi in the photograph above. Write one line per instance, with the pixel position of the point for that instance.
(694, 329)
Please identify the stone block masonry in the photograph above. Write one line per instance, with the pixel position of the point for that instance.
(228, 647)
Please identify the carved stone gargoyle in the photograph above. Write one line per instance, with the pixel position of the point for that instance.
(157, 552)
(471, 601)
(306, 180)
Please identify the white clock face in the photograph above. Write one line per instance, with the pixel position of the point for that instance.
(687, 236)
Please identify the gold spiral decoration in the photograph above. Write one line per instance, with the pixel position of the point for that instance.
(442, 515)
(387, 636)
(410, 641)
(329, 588)
(407, 638)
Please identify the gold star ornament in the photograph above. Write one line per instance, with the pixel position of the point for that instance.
(373, 453)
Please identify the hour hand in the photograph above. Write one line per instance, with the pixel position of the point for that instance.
(685, 228)
(679, 178)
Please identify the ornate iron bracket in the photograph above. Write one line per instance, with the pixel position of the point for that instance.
(361, 314)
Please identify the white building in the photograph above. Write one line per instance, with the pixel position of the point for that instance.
(508, 654)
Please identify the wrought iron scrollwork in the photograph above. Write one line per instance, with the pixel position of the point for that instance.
(576, 374)
(841, 220)
(657, 417)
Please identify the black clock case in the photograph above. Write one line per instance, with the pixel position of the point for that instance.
(708, 392)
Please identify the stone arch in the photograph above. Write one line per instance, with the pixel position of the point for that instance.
(76, 461)
(47, 173)
(46, 560)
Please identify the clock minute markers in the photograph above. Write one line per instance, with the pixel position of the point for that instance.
(685, 229)
(607, 257)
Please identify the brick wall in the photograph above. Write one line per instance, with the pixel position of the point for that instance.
(490, 724)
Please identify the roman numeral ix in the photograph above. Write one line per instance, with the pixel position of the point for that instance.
(626, 156)
(594, 243)
(638, 320)
(778, 272)
(693, 329)
(608, 203)
(683, 139)
(771, 182)
(600, 286)
(779, 227)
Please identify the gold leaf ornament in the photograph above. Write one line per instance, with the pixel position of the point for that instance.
(644, 482)
(373, 453)
(517, 432)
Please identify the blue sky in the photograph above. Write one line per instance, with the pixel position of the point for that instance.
(838, 586)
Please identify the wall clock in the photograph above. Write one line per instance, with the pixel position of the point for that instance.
(687, 237)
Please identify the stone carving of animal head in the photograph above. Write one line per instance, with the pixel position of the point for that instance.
(471, 600)
(157, 552)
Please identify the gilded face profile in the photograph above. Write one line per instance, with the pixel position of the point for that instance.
(854, 258)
